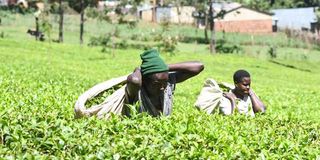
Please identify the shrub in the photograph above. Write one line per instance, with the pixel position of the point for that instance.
(2, 35)
(100, 41)
(223, 47)
(134, 36)
(272, 52)
(132, 24)
(168, 44)
(123, 44)
(92, 12)
(188, 39)
(140, 37)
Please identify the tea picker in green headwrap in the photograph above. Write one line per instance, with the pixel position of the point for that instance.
(154, 82)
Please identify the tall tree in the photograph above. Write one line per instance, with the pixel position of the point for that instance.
(204, 9)
(58, 7)
(154, 4)
(80, 6)
(122, 10)
(179, 5)
(61, 13)
(81, 20)
(201, 14)
(211, 20)
(36, 16)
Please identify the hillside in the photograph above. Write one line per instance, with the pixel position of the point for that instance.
(40, 82)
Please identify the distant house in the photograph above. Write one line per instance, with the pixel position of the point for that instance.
(3, 3)
(168, 13)
(171, 14)
(145, 12)
(242, 19)
(107, 4)
(295, 18)
(237, 18)
(8, 2)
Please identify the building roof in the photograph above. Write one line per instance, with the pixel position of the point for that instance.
(233, 6)
(227, 6)
(144, 7)
(244, 13)
(295, 18)
(3, 2)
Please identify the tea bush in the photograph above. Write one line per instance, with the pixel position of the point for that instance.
(39, 85)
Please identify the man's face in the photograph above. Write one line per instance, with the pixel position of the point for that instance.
(156, 83)
(244, 86)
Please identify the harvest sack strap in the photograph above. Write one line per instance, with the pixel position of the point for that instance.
(211, 95)
(166, 101)
(112, 104)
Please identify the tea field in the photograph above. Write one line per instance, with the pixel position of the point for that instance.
(40, 82)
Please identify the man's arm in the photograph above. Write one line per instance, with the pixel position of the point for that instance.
(257, 104)
(134, 82)
(186, 70)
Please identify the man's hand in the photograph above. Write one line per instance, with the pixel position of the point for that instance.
(257, 104)
(251, 93)
(186, 70)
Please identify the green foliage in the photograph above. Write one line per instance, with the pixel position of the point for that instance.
(77, 4)
(123, 44)
(122, 10)
(2, 35)
(100, 40)
(92, 12)
(109, 41)
(223, 47)
(38, 92)
(45, 23)
(295, 3)
(54, 8)
(101, 97)
(259, 5)
(168, 44)
(272, 52)
(140, 37)
(144, 35)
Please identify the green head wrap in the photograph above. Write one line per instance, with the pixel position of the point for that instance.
(152, 63)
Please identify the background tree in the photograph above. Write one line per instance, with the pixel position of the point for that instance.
(178, 4)
(80, 6)
(201, 14)
(205, 10)
(58, 7)
(126, 7)
(61, 12)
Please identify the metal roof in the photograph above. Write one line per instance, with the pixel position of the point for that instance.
(294, 18)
